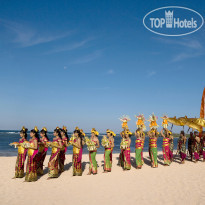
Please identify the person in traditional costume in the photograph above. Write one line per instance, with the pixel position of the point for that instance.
(153, 136)
(196, 146)
(141, 126)
(65, 140)
(53, 163)
(181, 148)
(21, 157)
(138, 148)
(108, 151)
(168, 143)
(112, 136)
(77, 142)
(120, 161)
(165, 146)
(203, 144)
(92, 153)
(42, 150)
(125, 162)
(31, 168)
(191, 141)
(171, 145)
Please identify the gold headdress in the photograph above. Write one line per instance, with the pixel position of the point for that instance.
(153, 121)
(36, 129)
(112, 133)
(108, 131)
(23, 129)
(140, 122)
(81, 130)
(128, 132)
(45, 129)
(125, 119)
(64, 128)
(94, 131)
(77, 128)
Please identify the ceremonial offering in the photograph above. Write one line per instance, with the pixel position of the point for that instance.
(25, 144)
(165, 122)
(90, 144)
(125, 119)
(15, 144)
(153, 121)
(71, 141)
(105, 142)
(124, 144)
(140, 122)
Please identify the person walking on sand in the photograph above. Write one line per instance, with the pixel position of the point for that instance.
(53, 164)
(42, 150)
(165, 146)
(126, 164)
(22, 151)
(31, 167)
(92, 154)
(153, 136)
(65, 139)
(181, 147)
(108, 152)
(138, 149)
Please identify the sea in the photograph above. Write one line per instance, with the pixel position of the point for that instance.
(9, 136)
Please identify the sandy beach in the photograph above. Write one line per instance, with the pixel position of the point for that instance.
(177, 184)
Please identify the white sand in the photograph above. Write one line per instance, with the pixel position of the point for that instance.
(177, 184)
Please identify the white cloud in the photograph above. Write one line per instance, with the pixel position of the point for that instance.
(183, 56)
(26, 36)
(87, 58)
(190, 43)
(110, 72)
(70, 46)
(151, 73)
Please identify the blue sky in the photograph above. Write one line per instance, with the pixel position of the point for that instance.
(86, 63)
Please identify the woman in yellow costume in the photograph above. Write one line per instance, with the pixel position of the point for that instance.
(122, 134)
(92, 154)
(108, 152)
(153, 136)
(141, 126)
(31, 169)
(77, 143)
(43, 148)
(138, 148)
(125, 162)
(54, 158)
(19, 167)
(64, 136)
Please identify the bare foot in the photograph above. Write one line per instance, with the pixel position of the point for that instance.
(105, 172)
(13, 178)
(49, 178)
(88, 173)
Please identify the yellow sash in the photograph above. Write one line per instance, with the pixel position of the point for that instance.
(54, 149)
(20, 149)
(31, 151)
(75, 150)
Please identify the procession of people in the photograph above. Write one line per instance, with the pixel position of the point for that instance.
(36, 148)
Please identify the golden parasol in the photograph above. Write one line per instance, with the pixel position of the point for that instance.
(199, 121)
(193, 125)
(174, 121)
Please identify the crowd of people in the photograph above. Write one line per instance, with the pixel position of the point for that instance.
(36, 149)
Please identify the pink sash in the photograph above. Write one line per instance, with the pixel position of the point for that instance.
(80, 155)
